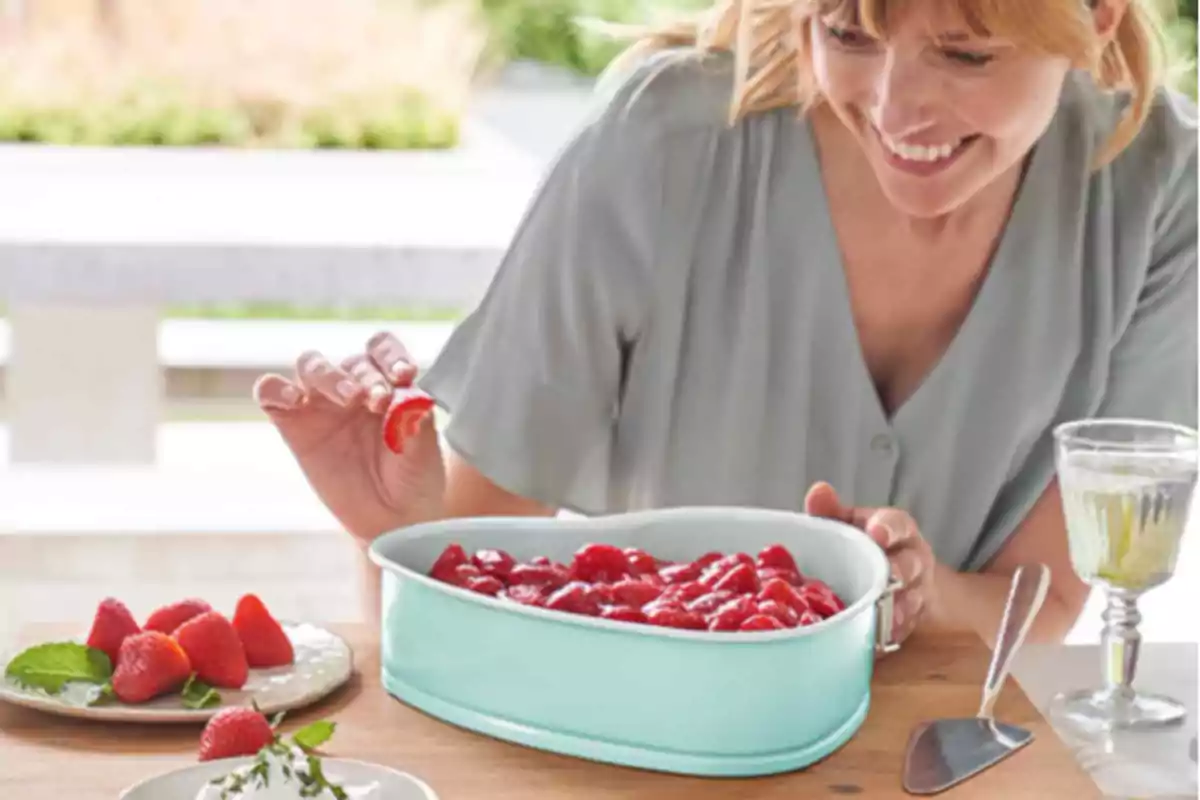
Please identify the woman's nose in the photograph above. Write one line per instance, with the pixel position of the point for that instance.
(904, 91)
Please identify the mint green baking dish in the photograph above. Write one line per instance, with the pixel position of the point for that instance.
(689, 702)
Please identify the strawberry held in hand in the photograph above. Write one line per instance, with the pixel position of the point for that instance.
(149, 664)
(404, 417)
(215, 649)
(112, 625)
(263, 638)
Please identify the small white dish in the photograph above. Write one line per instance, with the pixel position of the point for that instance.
(186, 783)
(324, 662)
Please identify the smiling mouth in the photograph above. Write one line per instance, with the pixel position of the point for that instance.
(925, 153)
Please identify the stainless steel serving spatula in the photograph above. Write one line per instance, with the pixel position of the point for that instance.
(945, 752)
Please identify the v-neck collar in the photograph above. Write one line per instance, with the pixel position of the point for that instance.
(997, 273)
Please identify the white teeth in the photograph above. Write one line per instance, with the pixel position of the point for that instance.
(918, 152)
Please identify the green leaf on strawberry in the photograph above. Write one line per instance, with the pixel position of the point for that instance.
(197, 694)
(52, 665)
(313, 735)
(100, 695)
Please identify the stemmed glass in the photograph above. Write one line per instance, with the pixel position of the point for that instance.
(1127, 487)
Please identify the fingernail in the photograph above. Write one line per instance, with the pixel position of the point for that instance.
(897, 615)
(399, 369)
(347, 390)
(377, 391)
(290, 395)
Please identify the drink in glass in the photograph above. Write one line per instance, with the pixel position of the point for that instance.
(1127, 488)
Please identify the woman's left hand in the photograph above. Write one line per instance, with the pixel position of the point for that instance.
(908, 553)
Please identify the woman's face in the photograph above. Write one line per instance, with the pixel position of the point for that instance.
(939, 112)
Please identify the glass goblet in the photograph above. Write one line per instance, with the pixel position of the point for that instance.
(1127, 488)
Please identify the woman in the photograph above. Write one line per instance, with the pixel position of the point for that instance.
(854, 257)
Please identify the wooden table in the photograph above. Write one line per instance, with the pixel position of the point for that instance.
(46, 581)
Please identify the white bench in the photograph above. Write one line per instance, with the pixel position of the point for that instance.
(93, 242)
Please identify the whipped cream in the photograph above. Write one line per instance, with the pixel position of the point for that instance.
(281, 772)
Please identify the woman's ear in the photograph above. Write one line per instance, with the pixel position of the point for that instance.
(1107, 16)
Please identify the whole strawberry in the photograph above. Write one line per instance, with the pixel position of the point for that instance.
(168, 618)
(234, 732)
(112, 624)
(149, 664)
(262, 636)
(215, 650)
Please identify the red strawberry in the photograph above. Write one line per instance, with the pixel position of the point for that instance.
(485, 585)
(496, 563)
(761, 622)
(778, 557)
(525, 594)
(168, 618)
(781, 591)
(633, 593)
(623, 614)
(216, 651)
(112, 624)
(450, 559)
(149, 664)
(234, 732)
(742, 579)
(640, 562)
(263, 639)
(403, 419)
(574, 598)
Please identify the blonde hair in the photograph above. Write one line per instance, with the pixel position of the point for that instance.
(768, 40)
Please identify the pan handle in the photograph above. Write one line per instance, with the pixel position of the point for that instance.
(884, 606)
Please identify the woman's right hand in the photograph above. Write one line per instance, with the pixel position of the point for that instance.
(331, 417)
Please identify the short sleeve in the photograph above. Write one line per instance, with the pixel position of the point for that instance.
(1152, 358)
(531, 378)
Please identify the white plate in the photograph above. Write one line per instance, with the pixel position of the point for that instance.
(186, 783)
(324, 663)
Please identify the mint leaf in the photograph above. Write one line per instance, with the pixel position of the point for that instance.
(197, 694)
(313, 735)
(51, 666)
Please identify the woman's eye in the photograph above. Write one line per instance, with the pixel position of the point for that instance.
(849, 37)
(968, 58)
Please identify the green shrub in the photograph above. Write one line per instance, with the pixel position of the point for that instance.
(552, 31)
(246, 73)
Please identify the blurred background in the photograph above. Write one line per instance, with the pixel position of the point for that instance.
(194, 191)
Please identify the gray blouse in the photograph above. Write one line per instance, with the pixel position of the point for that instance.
(671, 324)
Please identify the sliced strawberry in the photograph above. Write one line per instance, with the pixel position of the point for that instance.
(112, 624)
(761, 622)
(785, 614)
(524, 593)
(730, 616)
(451, 558)
(708, 603)
(742, 579)
(623, 613)
(778, 557)
(781, 591)
(496, 563)
(485, 584)
(262, 636)
(574, 598)
(821, 598)
(403, 418)
(634, 594)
